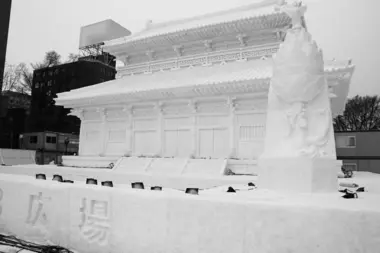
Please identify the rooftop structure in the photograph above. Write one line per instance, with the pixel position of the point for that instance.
(99, 32)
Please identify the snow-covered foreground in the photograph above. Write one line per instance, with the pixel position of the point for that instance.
(90, 218)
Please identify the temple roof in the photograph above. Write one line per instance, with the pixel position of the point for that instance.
(236, 77)
(196, 76)
(256, 10)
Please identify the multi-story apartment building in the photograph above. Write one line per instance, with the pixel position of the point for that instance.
(47, 82)
(15, 109)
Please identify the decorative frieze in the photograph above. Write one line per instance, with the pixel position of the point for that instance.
(103, 113)
(151, 55)
(208, 45)
(231, 102)
(201, 60)
(242, 39)
(192, 105)
(128, 110)
(178, 49)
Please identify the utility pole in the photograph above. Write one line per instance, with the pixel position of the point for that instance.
(5, 14)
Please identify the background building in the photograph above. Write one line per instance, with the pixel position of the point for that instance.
(50, 146)
(47, 82)
(360, 151)
(15, 110)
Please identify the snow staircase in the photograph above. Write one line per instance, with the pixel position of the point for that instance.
(171, 166)
(135, 165)
(167, 166)
(205, 167)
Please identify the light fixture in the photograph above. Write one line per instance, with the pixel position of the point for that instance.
(137, 185)
(91, 181)
(156, 188)
(107, 183)
(41, 176)
(193, 191)
(57, 178)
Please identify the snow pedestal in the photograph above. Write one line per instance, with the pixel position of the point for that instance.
(305, 175)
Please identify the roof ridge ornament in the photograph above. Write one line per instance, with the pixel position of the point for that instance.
(280, 3)
(79, 113)
(295, 11)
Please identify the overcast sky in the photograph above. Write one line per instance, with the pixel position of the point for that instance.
(342, 28)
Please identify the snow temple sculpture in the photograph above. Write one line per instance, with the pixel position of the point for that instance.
(194, 88)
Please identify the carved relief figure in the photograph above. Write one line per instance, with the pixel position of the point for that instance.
(95, 224)
(299, 116)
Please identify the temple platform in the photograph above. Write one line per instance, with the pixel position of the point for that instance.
(88, 218)
(177, 173)
(121, 177)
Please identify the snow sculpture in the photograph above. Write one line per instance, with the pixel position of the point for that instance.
(299, 147)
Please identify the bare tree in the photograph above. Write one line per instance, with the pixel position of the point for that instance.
(17, 77)
(73, 57)
(26, 83)
(12, 76)
(360, 114)
(52, 58)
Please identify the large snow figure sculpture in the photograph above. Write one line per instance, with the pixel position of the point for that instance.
(299, 152)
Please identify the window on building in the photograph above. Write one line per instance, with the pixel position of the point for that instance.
(51, 139)
(345, 141)
(43, 74)
(49, 83)
(42, 85)
(37, 85)
(33, 139)
(51, 73)
(56, 71)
